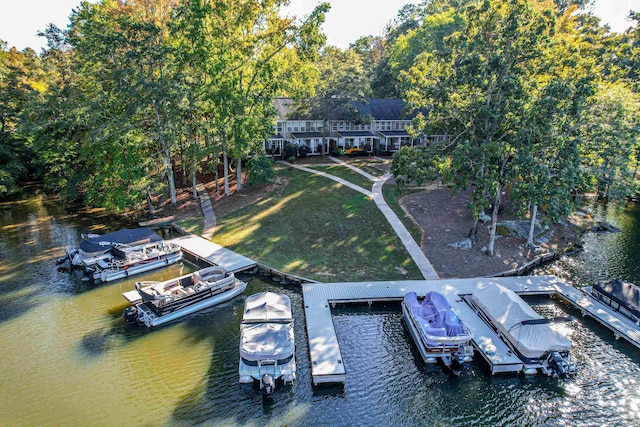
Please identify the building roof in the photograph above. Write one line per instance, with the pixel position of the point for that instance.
(276, 136)
(382, 109)
(387, 133)
(306, 135)
(376, 108)
(352, 134)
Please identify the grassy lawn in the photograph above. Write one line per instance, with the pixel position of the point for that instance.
(347, 174)
(368, 165)
(317, 228)
(194, 225)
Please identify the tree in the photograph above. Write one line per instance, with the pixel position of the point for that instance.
(610, 140)
(57, 119)
(343, 79)
(237, 52)
(124, 53)
(476, 91)
(417, 29)
(20, 78)
(547, 172)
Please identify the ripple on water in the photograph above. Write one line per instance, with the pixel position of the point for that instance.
(66, 344)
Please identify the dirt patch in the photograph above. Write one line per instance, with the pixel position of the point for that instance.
(186, 207)
(444, 219)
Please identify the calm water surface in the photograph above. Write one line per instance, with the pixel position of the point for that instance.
(67, 358)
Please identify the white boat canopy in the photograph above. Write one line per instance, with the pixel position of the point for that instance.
(262, 341)
(531, 333)
(267, 307)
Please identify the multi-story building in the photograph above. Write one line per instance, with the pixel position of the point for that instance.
(381, 127)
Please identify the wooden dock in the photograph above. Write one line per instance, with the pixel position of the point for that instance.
(327, 364)
(205, 250)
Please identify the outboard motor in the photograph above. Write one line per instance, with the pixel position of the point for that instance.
(457, 362)
(557, 363)
(130, 314)
(267, 385)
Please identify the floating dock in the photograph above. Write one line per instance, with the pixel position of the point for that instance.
(205, 250)
(327, 365)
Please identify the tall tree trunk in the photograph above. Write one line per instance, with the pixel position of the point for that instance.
(473, 233)
(169, 170)
(494, 219)
(194, 182)
(217, 177)
(239, 175)
(152, 211)
(225, 165)
(534, 213)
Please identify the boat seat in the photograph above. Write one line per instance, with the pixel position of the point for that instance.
(428, 313)
(412, 301)
(182, 292)
(436, 332)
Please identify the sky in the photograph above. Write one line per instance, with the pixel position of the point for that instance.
(21, 20)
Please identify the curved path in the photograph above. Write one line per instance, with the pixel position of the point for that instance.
(418, 256)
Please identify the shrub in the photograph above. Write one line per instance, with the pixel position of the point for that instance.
(303, 150)
(260, 170)
(290, 150)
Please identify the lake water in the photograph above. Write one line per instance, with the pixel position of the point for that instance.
(67, 357)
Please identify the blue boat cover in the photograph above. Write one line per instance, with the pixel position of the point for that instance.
(437, 318)
(134, 236)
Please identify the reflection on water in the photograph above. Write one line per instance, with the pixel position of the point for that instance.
(69, 359)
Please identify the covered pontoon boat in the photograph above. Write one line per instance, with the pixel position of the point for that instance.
(531, 336)
(436, 330)
(267, 344)
(155, 303)
(125, 261)
(95, 245)
(621, 296)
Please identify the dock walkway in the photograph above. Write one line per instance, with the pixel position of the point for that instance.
(207, 212)
(327, 364)
(203, 249)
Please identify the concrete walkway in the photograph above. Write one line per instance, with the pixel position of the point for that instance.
(355, 169)
(418, 256)
(207, 212)
(413, 248)
(329, 176)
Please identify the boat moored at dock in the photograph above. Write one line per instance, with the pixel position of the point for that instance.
(93, 246)
(267, 344)
(437, 331)
(156, 303)
(540, 346)
(125, 261)
(621, 296)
